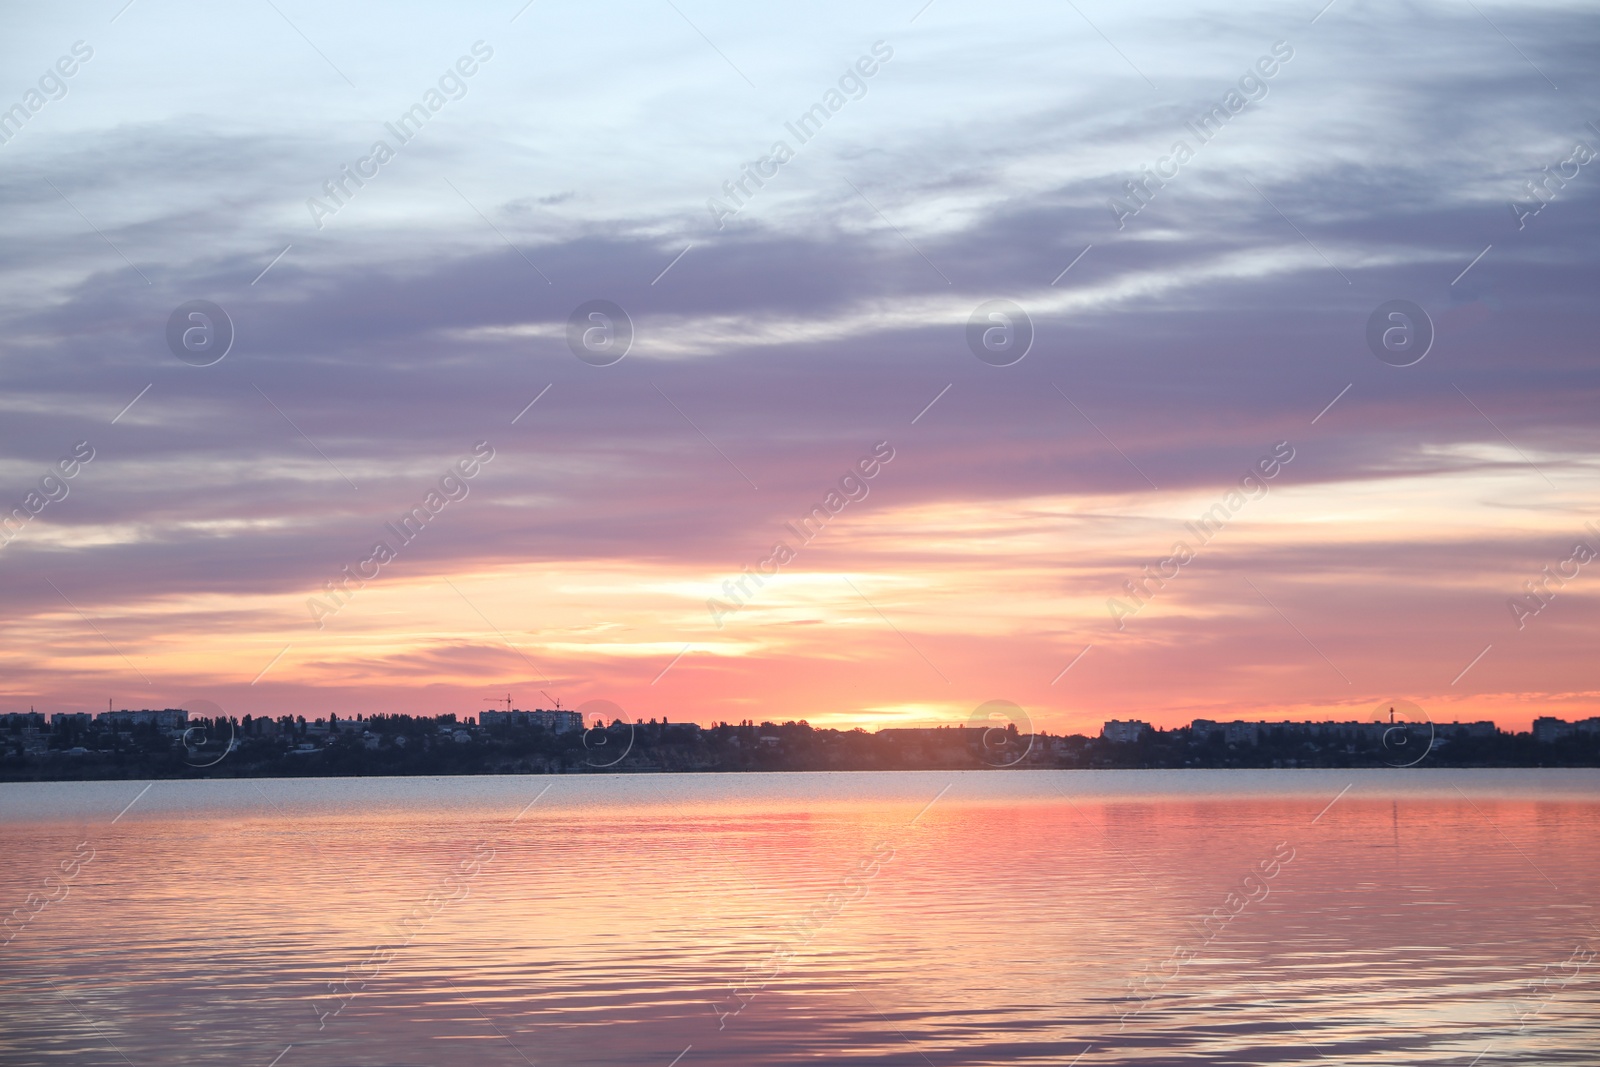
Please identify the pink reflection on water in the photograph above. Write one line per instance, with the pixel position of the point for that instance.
(966, 919)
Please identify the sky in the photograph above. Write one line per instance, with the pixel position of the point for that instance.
(1195, 302)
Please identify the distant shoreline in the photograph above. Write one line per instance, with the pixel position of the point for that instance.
(172, 746)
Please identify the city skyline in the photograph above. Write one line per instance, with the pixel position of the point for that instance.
(605, 713)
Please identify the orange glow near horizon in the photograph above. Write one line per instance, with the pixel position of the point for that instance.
(902, 616)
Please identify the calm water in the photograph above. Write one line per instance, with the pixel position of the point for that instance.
(1425, 917)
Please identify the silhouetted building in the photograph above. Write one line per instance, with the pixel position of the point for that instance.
(1119, 731)
(166, 719)
(558, 722)
(1251, 733)
(1549, 730)
(1468, 729)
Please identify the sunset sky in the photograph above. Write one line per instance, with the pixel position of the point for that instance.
(589, 156)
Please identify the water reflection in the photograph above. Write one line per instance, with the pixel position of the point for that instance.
(899, 918)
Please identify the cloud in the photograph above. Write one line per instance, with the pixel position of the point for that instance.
(1223, 318)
